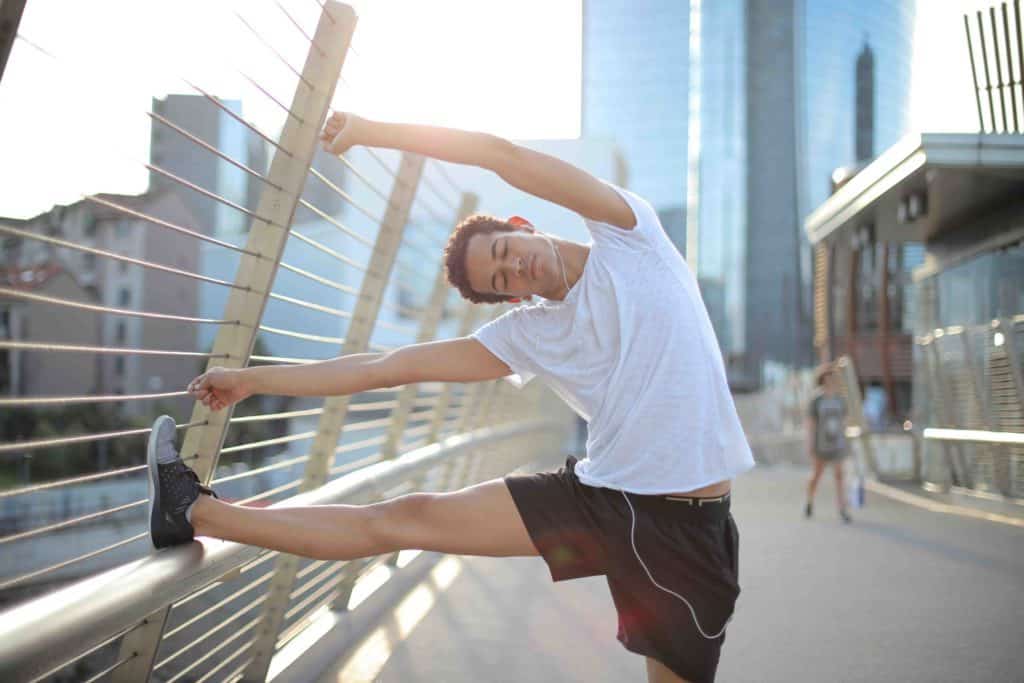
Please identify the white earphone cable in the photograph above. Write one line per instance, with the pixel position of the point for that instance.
(632, 540)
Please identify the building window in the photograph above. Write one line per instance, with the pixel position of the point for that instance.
(89, 262)
(119, 366)
(125, 297)
(89, 228)
(120, 333)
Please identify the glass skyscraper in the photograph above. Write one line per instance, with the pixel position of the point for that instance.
(635, 85)
(778, 108)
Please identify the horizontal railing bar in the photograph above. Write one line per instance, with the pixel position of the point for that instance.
(10, 493)
(346, 196)
(115, 665)
(171, 226)
(367, 424)
(227, 660)
(973, 435)
(337, 224)
(115, 350)
(227, 641)
(82, 438)
(267, 555)
(24, 401)
(302, 589)
(311, 567)
(227, 110)
(329, 587)
(213, 150)
(358, 445)
(296, 627)
(31, 533)
(366, 181)
(270, 492)
(85, 654)
(376, 405)
(233, 617)
(17, 580)
(56, 301)
(276, 416)
(311, 306)
(118, 257)
(238, 671)
(362, 462)
(260, 470)
(302, 335)
(212, 195)
(330, 252)
(269, 442)
(285, 360)
(320, 280)
(213, 608)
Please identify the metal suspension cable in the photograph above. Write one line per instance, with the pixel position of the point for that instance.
(171, 226)
(302, 335)
(5, 229)
(115, 350)
(281, 57)
(57, 301)
(301, 30)
(212, 195)
(340, 226)
(319, 280)
(19, 446)
(327, 250)
(227, 110)
(10, 493)
(213, 150)
(17, 580)
(348, 198)
(311, 306)
(32, 533)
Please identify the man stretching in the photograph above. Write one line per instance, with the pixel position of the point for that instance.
(620, 333)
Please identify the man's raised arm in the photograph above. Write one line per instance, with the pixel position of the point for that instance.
(536, 173)
(452, 360)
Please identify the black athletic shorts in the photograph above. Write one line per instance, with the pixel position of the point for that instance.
(689, 547)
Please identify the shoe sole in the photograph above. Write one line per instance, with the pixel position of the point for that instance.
(154, 477)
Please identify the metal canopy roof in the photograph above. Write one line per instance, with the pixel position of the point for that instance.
(956, 173)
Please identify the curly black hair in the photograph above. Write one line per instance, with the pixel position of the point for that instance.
(455, 255)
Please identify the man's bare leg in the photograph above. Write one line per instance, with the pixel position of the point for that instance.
(659, 673)
(478, 520)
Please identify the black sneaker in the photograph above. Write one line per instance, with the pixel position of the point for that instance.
(808, 510)
(845, 515)
(173, 486)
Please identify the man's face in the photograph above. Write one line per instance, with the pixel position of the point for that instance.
(516, 263)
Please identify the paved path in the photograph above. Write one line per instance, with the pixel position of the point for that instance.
(902, 594)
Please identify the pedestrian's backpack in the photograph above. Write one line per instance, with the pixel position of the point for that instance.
(831, 413)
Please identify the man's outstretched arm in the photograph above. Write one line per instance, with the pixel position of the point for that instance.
(536, 173)
(452, 360)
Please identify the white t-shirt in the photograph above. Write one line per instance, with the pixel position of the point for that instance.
(631, 349)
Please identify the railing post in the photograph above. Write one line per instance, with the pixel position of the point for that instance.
(429, 322)
(255, 275)
(332, 419)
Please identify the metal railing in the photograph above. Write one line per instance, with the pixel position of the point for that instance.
(72, 505)
(971, 405)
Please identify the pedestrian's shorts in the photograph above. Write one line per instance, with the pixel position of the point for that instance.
(689, 546)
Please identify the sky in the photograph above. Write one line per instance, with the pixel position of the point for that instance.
(72, 119)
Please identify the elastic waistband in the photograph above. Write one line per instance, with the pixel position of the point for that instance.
(705, 509)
